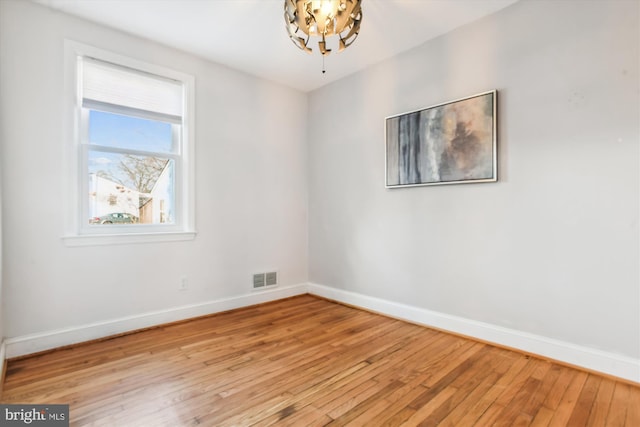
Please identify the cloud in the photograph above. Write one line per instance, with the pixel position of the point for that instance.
(100, 161)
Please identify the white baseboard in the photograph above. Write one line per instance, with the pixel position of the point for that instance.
(29, 344)
(608, 363)
(3, 356)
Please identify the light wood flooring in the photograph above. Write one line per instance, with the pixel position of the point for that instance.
(306, 361)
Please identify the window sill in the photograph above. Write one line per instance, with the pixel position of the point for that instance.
(121, 239)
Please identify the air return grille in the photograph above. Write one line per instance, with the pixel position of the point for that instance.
(261, 280)
(271, 278)
(258, 280)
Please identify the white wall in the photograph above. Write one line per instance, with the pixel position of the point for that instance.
(2, 346)
(552, 249)
(251, 190)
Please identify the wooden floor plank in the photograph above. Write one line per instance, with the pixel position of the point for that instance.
(502, 404)
(601, 404)
(568, 402)
(308, 361)
(467, 410)
(485, 401)
(633, 411)
(618, 409)
(585, 403)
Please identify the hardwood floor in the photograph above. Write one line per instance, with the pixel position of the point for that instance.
(306, 361)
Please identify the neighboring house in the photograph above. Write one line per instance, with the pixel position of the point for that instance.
(157, 206)
(106, 196)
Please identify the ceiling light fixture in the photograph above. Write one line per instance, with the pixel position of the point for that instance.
(323, 18)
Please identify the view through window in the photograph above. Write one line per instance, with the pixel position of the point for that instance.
(128, 188)
(131, 150)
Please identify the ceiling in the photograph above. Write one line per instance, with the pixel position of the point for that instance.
(250, 35)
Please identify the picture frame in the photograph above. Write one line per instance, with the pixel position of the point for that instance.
(450, 143)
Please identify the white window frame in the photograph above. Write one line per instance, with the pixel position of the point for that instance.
(77, 230)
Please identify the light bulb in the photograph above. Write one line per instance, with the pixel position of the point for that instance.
(327, 7)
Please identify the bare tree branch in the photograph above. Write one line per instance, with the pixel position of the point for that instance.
(141, 173)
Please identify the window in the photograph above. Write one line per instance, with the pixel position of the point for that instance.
(131, 147)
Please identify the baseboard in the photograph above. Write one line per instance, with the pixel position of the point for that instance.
(29, 344)
(615, 365)
(3, 364)
(592, 359)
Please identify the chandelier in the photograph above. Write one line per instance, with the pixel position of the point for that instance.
(323, 18)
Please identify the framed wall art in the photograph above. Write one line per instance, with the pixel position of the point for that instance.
(450, 143)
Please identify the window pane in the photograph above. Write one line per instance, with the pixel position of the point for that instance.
(128, 189)
(115, 130)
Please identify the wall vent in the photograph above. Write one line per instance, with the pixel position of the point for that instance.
(271, 278)
(263, 280)
(258, 280)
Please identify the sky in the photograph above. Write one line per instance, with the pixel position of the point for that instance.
(114, 130)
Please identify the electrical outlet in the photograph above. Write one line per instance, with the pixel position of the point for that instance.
(184, 284)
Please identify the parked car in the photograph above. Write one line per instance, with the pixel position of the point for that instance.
(114, 218)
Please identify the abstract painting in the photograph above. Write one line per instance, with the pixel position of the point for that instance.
(449, 143)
